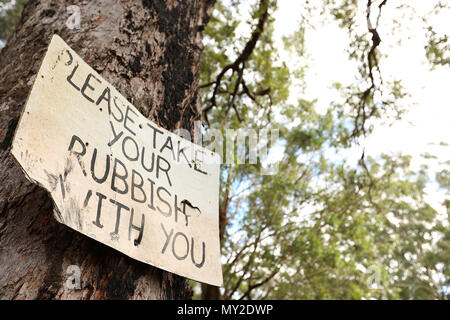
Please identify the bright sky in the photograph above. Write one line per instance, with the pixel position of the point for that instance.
(427, 121)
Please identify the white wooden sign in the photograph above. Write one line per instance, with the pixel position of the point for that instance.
(114, 175)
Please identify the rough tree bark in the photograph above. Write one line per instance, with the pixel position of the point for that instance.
(150, 51)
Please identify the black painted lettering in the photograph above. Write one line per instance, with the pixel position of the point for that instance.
(86, 85)
(168, 145)
(168, 212)
(183, 211)
(155, 131)
(78, 154)
(101, 197)
(197, 162)
(148, 168)
(198, 265)
(80, 142)
(107, 165)
(86, 199)
(138, 186)
(180, 234)
(132, 157)
(122, 177)
(163, 165)
(127, 117)
(152, 188)
(106, 95)
(168, 237)
(118, 109)
(181, 151)
(140, 229)
(69, 78)
(116, 136)
(120, 206)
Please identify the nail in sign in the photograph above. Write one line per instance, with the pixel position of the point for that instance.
(114, 175)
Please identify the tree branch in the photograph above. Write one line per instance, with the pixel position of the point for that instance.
(238, 64)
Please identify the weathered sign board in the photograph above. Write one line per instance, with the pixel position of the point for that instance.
(114, 175)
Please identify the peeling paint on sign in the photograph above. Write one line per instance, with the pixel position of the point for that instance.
(114, 175)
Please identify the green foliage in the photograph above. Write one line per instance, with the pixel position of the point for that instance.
(437, 48)
(438, 45)
(10, 12)
(319, 228)
(261, 72)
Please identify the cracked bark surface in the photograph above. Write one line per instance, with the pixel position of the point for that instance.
(150, 51)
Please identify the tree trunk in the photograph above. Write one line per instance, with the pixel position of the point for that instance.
(210, 292)
(150, 51)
